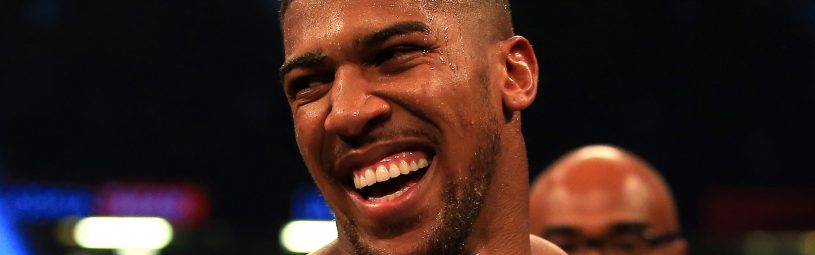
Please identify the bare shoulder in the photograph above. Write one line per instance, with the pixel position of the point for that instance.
(543, 247)
(328, 249)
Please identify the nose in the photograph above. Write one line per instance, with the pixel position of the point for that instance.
(353, 107)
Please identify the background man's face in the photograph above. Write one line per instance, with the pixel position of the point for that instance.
(620, 217)
(376, 83)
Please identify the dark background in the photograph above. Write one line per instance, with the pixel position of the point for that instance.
(718, 95)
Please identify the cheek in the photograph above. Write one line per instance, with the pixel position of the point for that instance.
(462, 104)
(308, 129)
(440, 90)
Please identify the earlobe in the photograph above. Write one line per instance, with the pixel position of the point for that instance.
(521, 84)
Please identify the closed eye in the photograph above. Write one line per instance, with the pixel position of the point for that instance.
(398, 53)
(307, 88)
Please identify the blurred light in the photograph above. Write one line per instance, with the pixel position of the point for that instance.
(10, 243)
(136, 252)
(183, 204)
(39, 202)
(146, 233)
(760, 243)
(808, 243)
(307, 235)
(308, 204)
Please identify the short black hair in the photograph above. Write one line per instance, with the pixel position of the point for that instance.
(500, 8)
(284, 5)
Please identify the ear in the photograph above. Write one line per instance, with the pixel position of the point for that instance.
(521, 84)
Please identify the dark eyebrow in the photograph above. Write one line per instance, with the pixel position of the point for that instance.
(308, 59)
(384, 34)
(370, 40)
(560, 230)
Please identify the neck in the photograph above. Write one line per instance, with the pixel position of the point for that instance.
(502, 226)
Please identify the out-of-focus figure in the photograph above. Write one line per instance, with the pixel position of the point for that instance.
(601, 199)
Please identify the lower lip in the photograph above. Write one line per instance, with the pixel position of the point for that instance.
(398, 208)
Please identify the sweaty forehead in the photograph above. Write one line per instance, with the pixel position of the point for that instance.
(592, 210)
(309, 21)
(628, 194)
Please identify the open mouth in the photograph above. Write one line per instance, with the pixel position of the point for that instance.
(391, 177)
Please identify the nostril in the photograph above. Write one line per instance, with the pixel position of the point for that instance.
(351, 119)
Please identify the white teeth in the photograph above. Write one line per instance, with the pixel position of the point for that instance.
(423, 163)
(385, 172)
(393, 170)
(391, 196)
(382, 199)
(370, 177)
(382, 174)
(404, 168)
(362, 182)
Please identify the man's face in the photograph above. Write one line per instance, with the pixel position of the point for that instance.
(604, 221)
(395, 118)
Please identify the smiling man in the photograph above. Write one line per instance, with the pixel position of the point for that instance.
(407, 115)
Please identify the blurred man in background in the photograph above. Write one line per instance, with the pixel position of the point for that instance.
(407, 114)
(604, 200)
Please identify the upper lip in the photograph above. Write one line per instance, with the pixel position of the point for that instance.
(372, 153)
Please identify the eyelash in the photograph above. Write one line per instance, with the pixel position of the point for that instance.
(397, 51)
(303, 83)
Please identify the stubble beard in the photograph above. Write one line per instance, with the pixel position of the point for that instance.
(462, 202)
